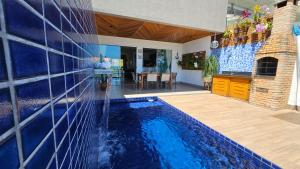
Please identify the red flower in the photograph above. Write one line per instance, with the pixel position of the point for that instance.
(246, 14)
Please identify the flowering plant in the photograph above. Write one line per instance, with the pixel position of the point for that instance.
(260, 27)
(246, 14)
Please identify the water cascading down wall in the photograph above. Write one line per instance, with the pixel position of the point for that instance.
(46, 89)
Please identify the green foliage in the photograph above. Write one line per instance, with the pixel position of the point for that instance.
(227, 34)
(210, 66)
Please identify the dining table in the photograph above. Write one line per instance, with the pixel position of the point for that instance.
(143, 75)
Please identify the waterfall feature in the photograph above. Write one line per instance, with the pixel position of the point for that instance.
(104, 77)
(105, 113)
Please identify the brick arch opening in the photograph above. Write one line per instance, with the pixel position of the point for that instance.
(267, 66)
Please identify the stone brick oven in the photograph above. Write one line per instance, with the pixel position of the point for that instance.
(275, 61)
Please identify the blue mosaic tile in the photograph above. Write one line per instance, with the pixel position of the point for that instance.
(54, 38)
(9, 154)
(66, 162)
(30, 101)
(56, 63)
(37, 5)
(52, 13)
(6, 113)
(43, 155)
(71, 96)
(21, 22)
(73, 130)
(70, 81)
(62, 151)
(27, 61)
(61, 129)
(73, 144)
(3, 71)
(24, 21)
(238, 58)
(72, 113)
(58, 86)
(65, 8)
(53, 164)
(67, 45)
(59, 110)
(33, 133)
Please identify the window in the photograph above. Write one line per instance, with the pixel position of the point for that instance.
(149, 57)
(267, 66)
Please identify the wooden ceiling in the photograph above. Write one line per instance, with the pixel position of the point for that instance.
(131, 28)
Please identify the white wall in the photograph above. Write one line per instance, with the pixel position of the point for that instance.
(207, 15)
(294, 99)
(140, 44)
(187, 76)
(195, 76)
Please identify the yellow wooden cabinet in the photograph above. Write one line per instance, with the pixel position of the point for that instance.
(232, 86)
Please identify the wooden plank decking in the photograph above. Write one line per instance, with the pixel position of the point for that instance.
(274, 135)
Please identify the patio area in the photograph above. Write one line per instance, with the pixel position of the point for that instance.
(130, 90)
(274, 135)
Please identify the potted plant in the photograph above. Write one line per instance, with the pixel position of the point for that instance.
(210, 69)
(226, 37)
(236, 29)
(244, 26)
(236, 40)
(244, 39)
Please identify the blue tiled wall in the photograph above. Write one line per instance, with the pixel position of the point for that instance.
(238, 58)
(47, 109)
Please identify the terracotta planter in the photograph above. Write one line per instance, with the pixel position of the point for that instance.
(267, 34)
(236, 30)
(236, 40)
(244, 39)
(254, 37)
(225, 41)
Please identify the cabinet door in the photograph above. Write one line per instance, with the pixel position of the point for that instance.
(220, 86)
(239, 88)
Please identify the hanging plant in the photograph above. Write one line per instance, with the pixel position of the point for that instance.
(245, 25)
(226, 37)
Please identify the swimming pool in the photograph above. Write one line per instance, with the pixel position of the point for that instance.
(148, 133)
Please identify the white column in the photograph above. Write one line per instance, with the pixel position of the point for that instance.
(294, 99)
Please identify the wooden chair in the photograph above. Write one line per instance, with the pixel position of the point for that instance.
(152, 78)
(173, 78)
(135, 79)
(165, 78)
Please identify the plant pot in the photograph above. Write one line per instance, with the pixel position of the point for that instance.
(267, 34)
(236, 30)
(236, 40)
(244, 39)
(103, 86)
(225, 41)
(254, 37)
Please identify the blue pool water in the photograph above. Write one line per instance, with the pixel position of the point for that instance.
(152, 134)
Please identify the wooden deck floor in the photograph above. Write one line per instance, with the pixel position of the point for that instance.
(274, 135)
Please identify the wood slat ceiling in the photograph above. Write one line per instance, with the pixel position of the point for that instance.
(131, 28)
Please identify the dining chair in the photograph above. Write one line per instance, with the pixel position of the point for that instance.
(152, 78)
(166, 79)
(173, 78)
(136, 79)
